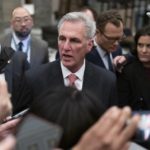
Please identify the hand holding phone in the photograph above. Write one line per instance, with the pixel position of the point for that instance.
(143, 131)
(18, 115)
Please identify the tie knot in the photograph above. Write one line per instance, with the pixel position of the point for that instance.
(20, 44)
(72, 78)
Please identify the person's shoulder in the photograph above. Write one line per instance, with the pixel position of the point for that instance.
(6, 52)
(100, 71)
(134, 65)
(4, 37)
(92, 52)
(38, 40)
(44, 68)
(43, 71)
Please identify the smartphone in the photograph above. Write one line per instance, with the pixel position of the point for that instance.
(18, 115)
(143, 131)
(35, 133)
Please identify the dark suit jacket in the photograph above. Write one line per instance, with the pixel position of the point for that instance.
(94, 57)
(14, 68)
(5, 55)
(134, 87)
(39, 49)
(97, 80)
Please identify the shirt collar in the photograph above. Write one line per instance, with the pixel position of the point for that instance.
(101, 52)
(79, 73)
(17, 40)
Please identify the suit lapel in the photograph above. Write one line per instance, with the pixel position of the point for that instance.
(36, 53)
(33, 55)
(99, 59)
(7, 41)
(88, 74)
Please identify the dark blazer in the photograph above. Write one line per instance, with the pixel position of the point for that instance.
(134, 87)
(94, 57)
(39, 49)
(97, 80)
(5, 55)
(14, 68)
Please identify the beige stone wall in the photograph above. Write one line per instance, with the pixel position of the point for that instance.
(6, 8)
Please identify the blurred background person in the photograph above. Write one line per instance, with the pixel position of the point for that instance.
(107, 52)
(20, 38)
(134, 81)
(13, 65)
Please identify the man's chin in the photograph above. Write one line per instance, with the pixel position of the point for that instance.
(22, 34)
(67, 64)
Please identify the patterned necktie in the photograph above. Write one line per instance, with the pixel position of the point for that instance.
(72, 78)
(110, 66)
(20, 44)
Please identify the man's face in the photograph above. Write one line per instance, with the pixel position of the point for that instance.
(143, 49)
(21, 23)
(109, 38)
(73, 44)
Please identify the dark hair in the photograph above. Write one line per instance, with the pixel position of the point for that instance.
(75, 111)
(109, 16)
(141, 32)
(93, 11)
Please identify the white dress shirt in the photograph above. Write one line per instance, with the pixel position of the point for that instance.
(25, 47)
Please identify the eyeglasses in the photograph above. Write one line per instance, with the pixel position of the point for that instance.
(114, 39)
(24, 19)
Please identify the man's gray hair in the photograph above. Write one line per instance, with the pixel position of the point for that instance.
(80, 17)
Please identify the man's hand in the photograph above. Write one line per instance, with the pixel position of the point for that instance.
(5, 103)
(8, 143)
(8, 128)
(111, 132)
(119, 62)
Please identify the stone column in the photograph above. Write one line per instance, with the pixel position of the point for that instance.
(43, 12)
(6, 7)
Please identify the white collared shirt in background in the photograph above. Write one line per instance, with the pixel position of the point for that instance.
(103, 55)
(26, 44)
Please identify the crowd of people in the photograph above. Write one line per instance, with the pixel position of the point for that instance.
(90, 90)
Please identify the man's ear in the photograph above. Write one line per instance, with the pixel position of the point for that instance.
(90, 45)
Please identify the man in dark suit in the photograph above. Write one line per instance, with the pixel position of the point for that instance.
(107, 53)
(20, 38)
(75, 40)
(12, 66)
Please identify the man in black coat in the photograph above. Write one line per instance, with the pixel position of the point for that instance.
(13, 65)
(75, 40)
